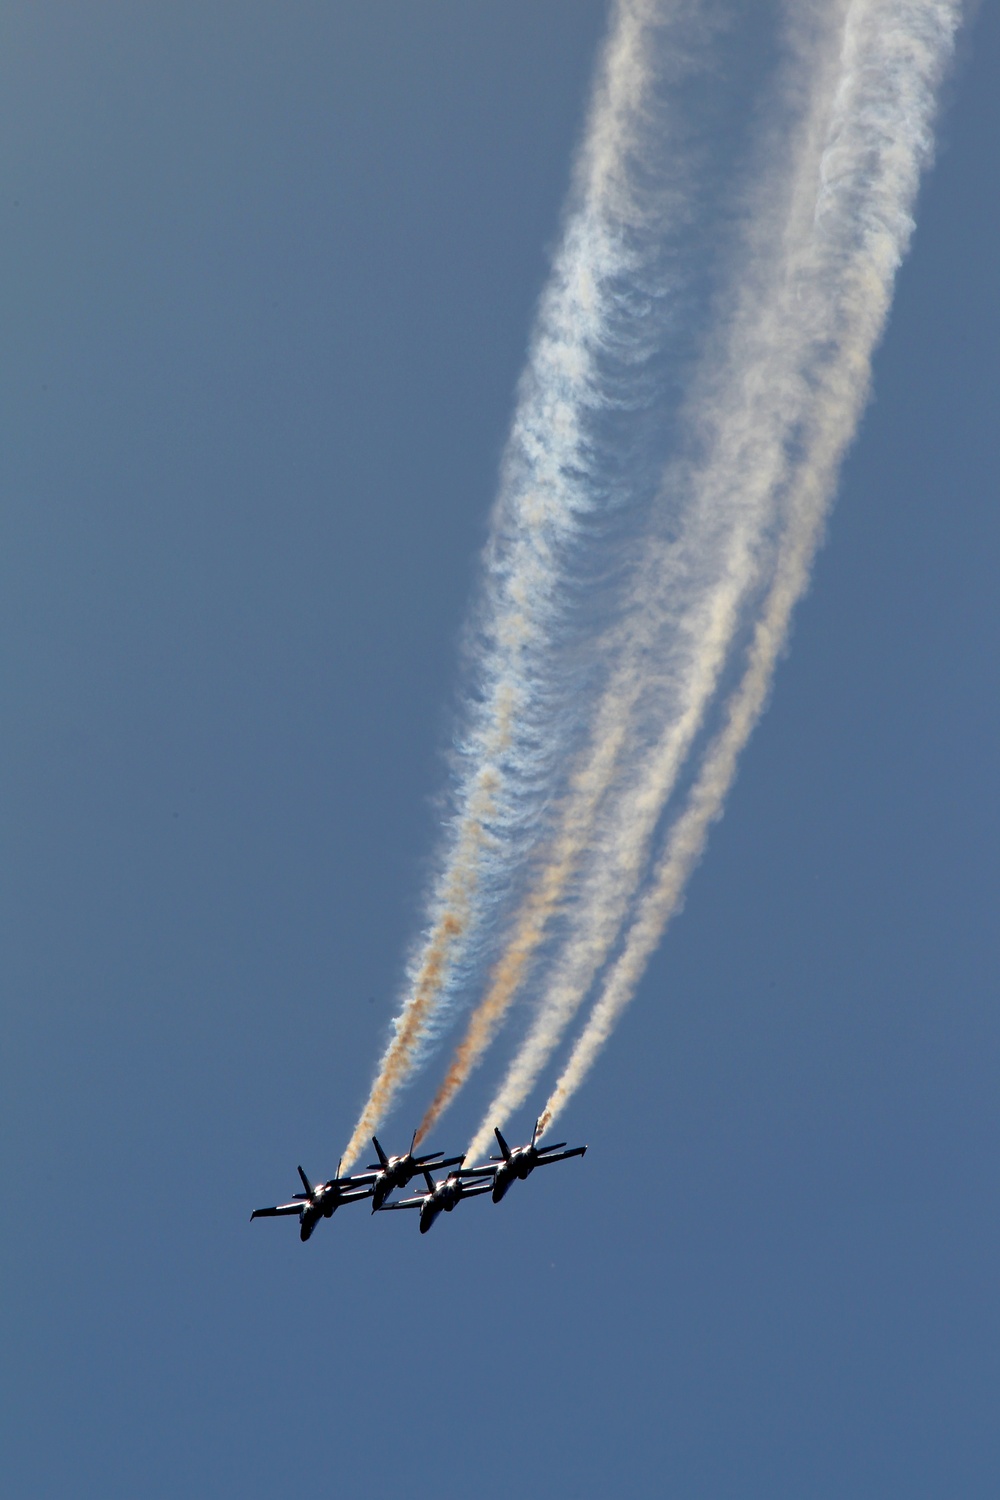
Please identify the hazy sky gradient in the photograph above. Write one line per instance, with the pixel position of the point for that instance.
(269, 276)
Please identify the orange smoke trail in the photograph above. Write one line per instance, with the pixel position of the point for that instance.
(506, 980)
(451, 924)
(485, 1020)
(539, 907)
(552, 486)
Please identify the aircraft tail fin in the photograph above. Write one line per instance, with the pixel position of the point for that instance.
(306, 1183)
(381, 1154)
(534, 1133)
(502, 1143)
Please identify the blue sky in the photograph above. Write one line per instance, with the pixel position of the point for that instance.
(270, 277)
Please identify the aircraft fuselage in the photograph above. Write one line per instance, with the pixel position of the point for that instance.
(323, 1205)
(398, 1174)
(522, 1163)
(442, 1200)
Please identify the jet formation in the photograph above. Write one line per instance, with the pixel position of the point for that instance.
(443, 1195)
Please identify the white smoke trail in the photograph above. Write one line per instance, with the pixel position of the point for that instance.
(552, 499)
(746, 403)
(679, 618)
(894, 52)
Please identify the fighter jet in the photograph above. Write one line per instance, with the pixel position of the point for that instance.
(522, 1161)
(397, 1171)
(442, 1196)
(321, 1201)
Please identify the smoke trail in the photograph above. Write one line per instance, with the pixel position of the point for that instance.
(893, 56)
(544, 899)
(552, 497)
(687, 838)
(679, 617)
(586, 791)
(684, 610)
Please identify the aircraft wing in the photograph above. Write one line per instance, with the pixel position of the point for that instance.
(477, 1188)
(488, 1171)
(560, 1155)
(356, 1179)
(439, 1166)
(406, 1203)
(282, 1208)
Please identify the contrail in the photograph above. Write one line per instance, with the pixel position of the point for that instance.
(894, 53)
(554, 498)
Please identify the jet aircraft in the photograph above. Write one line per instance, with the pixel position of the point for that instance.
(441, 1197)
(393, 1172)
(321, 1201)
(522, 1161)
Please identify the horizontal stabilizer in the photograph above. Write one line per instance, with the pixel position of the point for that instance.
(476, 1189)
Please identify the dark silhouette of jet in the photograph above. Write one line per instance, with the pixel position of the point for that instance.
(393, 1172)
(321, 1201)
(441, 1197)
(522, 1161)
